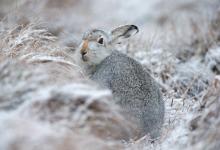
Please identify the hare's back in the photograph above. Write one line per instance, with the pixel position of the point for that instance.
(125, 77)
(133, 89)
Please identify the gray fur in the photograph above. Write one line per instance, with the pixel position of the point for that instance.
(134, 90)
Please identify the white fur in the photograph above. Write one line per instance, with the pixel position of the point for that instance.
(95, 54)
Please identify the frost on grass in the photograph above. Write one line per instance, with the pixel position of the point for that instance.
(178, 45)
(205, 125)
(25, 134)
(30, 58)
(185, 63)
(79, 106)
(41, 85)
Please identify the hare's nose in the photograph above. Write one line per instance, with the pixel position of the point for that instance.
(84, 47)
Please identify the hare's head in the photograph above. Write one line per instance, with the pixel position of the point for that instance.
(97, 44)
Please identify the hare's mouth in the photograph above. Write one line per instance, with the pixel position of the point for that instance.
(84, 58)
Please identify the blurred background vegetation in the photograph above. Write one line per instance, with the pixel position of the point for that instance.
(178, 43)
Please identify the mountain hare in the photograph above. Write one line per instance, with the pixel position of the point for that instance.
(133, 88)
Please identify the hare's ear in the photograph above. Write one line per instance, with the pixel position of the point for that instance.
(123, 32)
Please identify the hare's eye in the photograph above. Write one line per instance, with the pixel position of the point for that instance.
(100, 40)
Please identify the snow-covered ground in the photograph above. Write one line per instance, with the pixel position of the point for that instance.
(47, 102)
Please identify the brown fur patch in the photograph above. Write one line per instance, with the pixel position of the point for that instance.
(84, 47)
